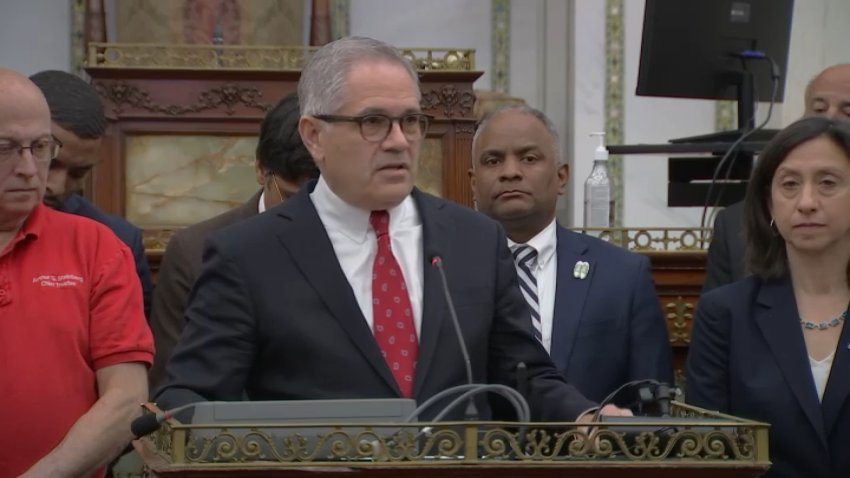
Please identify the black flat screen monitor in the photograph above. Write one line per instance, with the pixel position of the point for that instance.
(691, 49)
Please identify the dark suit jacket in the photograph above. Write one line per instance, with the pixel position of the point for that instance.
(180, 266)
(726, 253)
(608, 328)
(273, 315)
(128, 233)
(748, 358)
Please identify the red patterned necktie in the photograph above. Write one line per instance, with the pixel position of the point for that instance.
(391, 310)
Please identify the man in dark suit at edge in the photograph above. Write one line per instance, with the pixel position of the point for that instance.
(332, 293)
(283, 165)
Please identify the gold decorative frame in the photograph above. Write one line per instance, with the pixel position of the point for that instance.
(675, 239)
(238, 57)
(688, 440)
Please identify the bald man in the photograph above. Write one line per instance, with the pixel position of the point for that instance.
(75, 343)
(828, 94)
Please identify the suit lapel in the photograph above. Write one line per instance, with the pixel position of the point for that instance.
(304, 235)
(435, 230)
(779, 324)
(570, 296)
(838, 386)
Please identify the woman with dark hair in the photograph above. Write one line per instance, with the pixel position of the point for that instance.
(773, 346)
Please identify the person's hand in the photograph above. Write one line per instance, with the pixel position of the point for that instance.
(614, 411)
(607, 410)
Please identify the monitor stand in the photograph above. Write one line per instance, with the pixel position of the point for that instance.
(761, 136)
(746, 106)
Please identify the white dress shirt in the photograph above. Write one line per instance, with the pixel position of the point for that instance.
(261, 206)
(820, 372)
(545, 270)
(355, 245)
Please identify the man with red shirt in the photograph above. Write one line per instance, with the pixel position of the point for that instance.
(74, 343)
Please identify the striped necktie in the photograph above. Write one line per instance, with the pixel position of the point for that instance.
(525, 258)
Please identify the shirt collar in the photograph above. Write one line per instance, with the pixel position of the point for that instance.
(35, 222)
(545, 243)
(31, 228)
(336, 214)
(261, 205)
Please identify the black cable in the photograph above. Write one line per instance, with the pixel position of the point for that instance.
(775, 76)
(611, 396)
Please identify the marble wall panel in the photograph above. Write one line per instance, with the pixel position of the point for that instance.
(174, 181)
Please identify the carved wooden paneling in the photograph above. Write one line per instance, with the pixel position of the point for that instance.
(678, 279)
(451, 101)
(121, 94)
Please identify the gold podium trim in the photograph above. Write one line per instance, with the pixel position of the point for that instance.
(727, 441)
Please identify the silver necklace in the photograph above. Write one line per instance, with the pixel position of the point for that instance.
(826, 324)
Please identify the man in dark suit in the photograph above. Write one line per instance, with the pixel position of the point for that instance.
(79, 124)
(332, 294)
(594, 305)
(828, 94)
(283, 165)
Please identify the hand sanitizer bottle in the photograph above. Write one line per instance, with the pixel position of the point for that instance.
(598, 207)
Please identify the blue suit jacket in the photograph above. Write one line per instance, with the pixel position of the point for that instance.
(608, 328)
(128, 233)
(273, 316)
(748, 358)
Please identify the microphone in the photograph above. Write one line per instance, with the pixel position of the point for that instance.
(649, 391)
(151, 422)
(466, 392)
(437, 262)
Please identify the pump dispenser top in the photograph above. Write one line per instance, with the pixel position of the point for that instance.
(598, 202)
(601, 151)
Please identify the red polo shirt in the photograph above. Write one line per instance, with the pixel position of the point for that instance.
(70, 304)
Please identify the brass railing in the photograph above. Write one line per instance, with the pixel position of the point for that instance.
(244, 57)
(638, 239)
(657, 239)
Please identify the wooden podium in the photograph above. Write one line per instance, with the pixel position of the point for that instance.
(696, 443)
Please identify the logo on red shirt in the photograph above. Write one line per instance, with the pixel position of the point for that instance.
(62, 280)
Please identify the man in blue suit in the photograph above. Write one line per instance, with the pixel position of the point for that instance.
(594, 305)
(79, 124)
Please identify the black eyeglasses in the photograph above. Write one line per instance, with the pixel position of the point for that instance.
(376, 127)
(43, 150)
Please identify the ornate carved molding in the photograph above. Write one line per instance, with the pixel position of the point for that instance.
(680, 314)
(466, 128)
(228, 96)
(451, 99)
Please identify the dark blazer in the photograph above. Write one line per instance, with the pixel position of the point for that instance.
(273, 315)
(608, 328)
(128, 233)
(726, 253)
(177, 272)
(748, 358)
